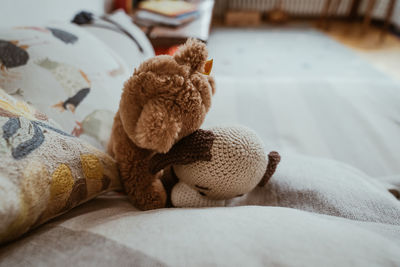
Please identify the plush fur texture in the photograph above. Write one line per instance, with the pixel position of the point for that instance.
(165, 100)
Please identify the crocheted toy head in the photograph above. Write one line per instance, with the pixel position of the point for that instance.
(216, 164)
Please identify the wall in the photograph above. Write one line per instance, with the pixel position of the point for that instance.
(19, 12)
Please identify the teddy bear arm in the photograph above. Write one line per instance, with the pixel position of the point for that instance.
(184, 196)
(144, 189)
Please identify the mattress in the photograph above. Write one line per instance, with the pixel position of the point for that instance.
(332, 202)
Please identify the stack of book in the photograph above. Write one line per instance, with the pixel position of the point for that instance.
(165, 12)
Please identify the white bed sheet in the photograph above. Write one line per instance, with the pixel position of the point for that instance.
(304, 92)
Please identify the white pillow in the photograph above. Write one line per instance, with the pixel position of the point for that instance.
(65, 72)
(133, 53)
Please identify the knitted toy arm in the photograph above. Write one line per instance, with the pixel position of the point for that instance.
(183, 196)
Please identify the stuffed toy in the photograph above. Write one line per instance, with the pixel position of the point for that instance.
(166, 99)
(215, 165)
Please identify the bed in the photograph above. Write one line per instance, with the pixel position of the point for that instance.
(334, 200)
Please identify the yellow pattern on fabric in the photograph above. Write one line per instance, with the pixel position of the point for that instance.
(62, 181)
(92, 167)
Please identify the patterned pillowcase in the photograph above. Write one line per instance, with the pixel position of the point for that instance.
(44, 171)
(65, 72)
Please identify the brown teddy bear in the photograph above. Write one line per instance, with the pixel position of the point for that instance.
(165, 100)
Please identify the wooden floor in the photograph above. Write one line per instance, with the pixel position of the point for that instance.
(385, 55)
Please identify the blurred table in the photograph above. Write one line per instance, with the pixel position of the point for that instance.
(163, 36)
(331, 6)
(387, 19)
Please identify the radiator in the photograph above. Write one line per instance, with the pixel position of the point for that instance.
(296, 8)
(299, 8)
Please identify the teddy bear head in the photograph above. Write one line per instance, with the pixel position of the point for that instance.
(220, 163)
(167, 97)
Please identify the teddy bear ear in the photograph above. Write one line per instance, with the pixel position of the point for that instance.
(194, 147)
(193, 53)
(273, 160)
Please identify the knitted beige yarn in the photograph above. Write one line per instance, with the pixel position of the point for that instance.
(237, 165)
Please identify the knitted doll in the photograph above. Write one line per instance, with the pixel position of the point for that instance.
(215, 165)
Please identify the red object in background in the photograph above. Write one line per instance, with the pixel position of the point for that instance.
(124, 4)
(166, 50)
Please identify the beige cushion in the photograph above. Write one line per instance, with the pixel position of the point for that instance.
(109, 231)
(44, 171)
(334, 215)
